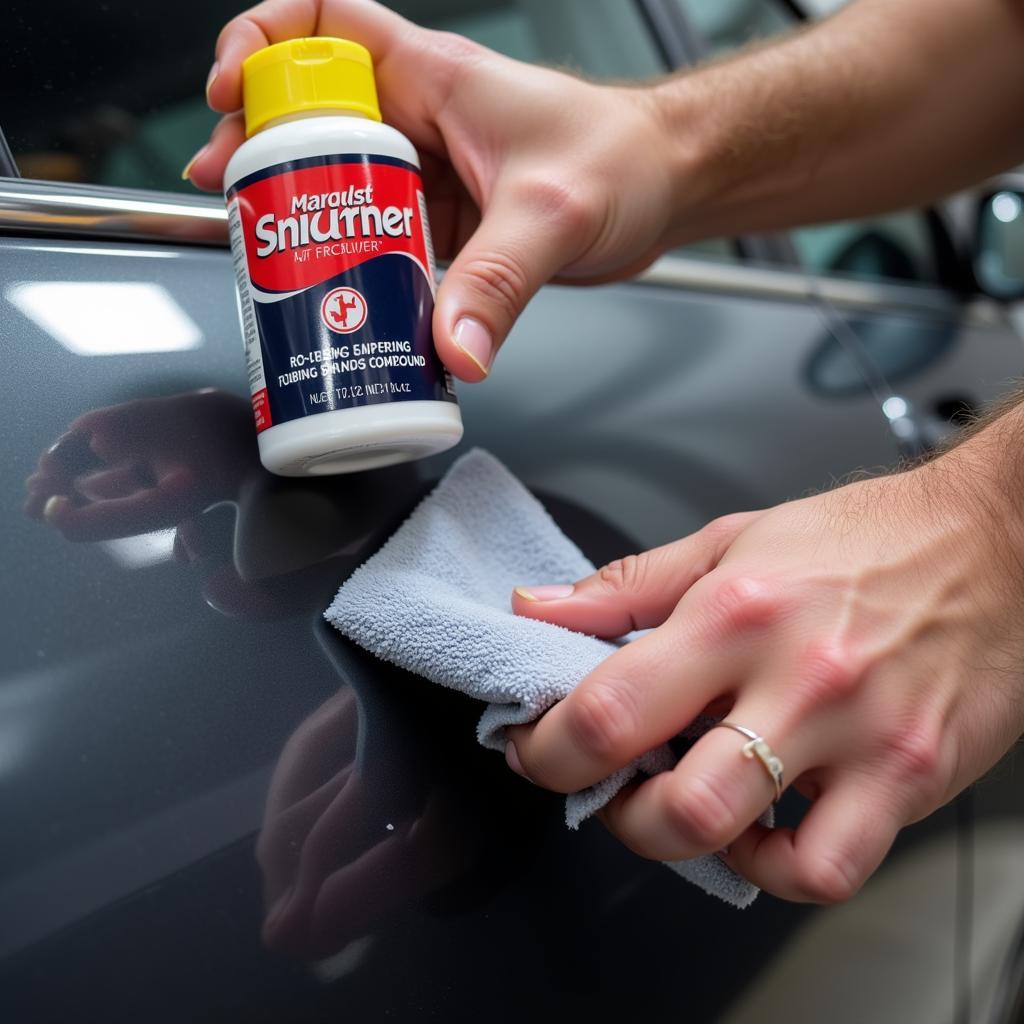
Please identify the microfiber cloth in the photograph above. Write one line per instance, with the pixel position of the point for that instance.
(435, 600)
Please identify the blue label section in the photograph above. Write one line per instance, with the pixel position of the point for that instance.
(382, 351)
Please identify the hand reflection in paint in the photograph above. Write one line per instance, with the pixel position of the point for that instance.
(190, 462)
(143, 465)
(343, 849)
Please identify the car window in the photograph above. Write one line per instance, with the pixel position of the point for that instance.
(116, 96)
(724, 25)
(603, 39)
(894, 246)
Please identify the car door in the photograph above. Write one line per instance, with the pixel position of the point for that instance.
(184, 744)
(899, 290)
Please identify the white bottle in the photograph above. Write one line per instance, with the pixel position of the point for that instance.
(335, 269)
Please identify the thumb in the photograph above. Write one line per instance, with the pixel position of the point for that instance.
(635, 592)
(527, 235)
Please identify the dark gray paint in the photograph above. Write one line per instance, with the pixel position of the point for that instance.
(143, 710)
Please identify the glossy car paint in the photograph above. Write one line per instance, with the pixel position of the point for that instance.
(183, 740)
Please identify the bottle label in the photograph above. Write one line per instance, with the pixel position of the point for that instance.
(335, 285)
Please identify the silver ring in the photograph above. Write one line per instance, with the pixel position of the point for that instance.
(758, 747)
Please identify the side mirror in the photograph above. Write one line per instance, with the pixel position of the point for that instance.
(999, 244)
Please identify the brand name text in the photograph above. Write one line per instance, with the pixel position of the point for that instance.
(331, 216)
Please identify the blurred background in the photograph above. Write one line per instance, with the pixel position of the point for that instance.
(112, 93)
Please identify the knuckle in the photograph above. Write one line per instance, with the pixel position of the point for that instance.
(624, 574)
(915, 753)
(826, 673)
(827, 879)
(741, 603)
(499, 278)
(603, 718)
(698, 812)
(721, 530)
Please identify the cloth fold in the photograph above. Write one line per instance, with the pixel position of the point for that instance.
(435, 600)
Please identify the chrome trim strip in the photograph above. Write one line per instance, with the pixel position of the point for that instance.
(732, 278)
(94, 211)
(59, 208)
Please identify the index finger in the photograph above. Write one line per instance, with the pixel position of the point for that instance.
(635, 700)
(274, 21)
(152, 509)
(269, 22)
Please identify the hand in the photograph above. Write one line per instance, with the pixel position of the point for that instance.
(528, 172)
(871, 634)
(143, 465)
(333, 866)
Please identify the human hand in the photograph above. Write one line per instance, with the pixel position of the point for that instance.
(142, 465)
(333, 867)
(529, 173)
(871, 634)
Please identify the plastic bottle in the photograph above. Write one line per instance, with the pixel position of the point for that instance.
(335, 269)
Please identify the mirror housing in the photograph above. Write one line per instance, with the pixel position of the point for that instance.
(999, 244)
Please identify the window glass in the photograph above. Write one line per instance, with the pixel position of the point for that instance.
(724, 25)
(114, 96)
(710, 249)
(893, 246)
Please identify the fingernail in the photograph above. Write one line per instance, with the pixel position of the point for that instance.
(188, 167)
(475, 340)
(547, 592)
(54, 506)
(211, 78)
(512, 759)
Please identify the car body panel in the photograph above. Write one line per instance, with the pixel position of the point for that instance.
(150, 703)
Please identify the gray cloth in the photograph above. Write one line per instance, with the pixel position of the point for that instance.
(435, 600)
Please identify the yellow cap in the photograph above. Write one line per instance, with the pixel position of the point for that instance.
(318, 73)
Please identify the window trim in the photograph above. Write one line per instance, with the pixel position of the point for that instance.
(59, 211)
(8, 165)
(95, 211)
